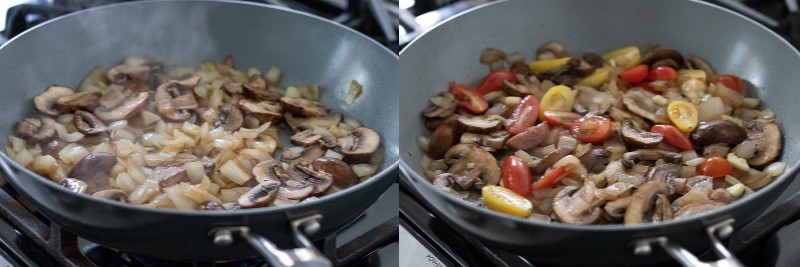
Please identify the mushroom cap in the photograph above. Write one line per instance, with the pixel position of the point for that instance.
(697, 208)
(479, 124)
(719, 131)
(93, 169)
(642, 200)
(578, 205)
(343, 174)
(663, 56)
(442, 139)
(74, 185)
(326, 122)
(120, 103)
(638, 138)
(485, 161)
(46, 102)
(262, 110)
(230, 117)
(260, 195)
(641, 103)
(321, 181)
(311, 135)
(551, 50)
(645, 154)
(295, 190)
(616, 209)
(36, 129)
(442, 105)
(359, 145)
(77, 101)
(305, 107)
(88, 123)
(306, 156)
(113, 194)
(174, 104)
(767, 137)
(269, 170)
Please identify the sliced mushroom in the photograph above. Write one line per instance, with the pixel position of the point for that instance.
(701, 183)
(36, 129)
(593, 59)
(442, 105)
(641, 103)
(578, 205)
(74, 185)
(767, 137)
(120, 104)
(595, 160)
(621, 115)
(529, 138)
(260, 195)
(269, 170)
(473, 156)
(592, 100)
(175, 104)
(94, 169)
(445, 182)
(210, 205)
(303, 107)
(643, 200)
(550, 50)
(445, 136)
(343, 174)
(664, 57)
(46, 102)
(617, 172)
(638, 138)
(719, 131)
(113, 194)
(663, 209)
(310, 135)
(466, 175)
(663, 172)
(324, 122)
(716, 150)
(495, 141)
(616, 209)
(169, 176)
(78, 101)
(695, 208)
(262, 110)
(306, 156)
(53, 146)
(566, 145)
(133, 69)
(268, 94)
(88, 123)
(479, 124)
(524, 88)
(359, 145)
(230, 118)
(320, 180)
(295, 190)
(631, 158)
(722, 195)
(698, 63)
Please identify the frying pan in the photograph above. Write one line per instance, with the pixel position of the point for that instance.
(308, 49)
(731, 43)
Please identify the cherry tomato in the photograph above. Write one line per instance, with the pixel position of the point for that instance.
(561, 118)
(715, 167)
(524, 115)
(662, 73)
(559, 97)
(494, 81)
(673, 136)
(683, 114)
(591, 129)
(517, 176)
(731, 81)
(468, 98)
(634, 75)
(550, 179)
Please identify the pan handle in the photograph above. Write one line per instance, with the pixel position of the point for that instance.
(685, 257)
(306, 255)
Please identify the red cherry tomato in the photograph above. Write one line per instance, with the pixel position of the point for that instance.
(561, 118)
(673, 136)
(662, 73)
(731, 81)
(715, 167)
(517, 176)
(634, 75)
(591, 129)
(524, 115)
(550, 179)
(468, 98)
(494, 81)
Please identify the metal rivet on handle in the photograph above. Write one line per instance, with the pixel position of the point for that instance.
(725, 231)
(311, 227)
(223, 238)
(642, 248)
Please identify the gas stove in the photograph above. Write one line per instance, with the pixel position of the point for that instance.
(426, 239)
(29, 239)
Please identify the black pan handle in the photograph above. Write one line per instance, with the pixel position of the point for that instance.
(764, 226)
(685, 257)
(306, 255)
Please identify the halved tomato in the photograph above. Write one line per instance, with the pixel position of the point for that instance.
(561, 118)
(524, 115)
(592, 129)
(468, 98)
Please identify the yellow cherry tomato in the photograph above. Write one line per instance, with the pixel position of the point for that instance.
(504, 200)
(627, 57)
(683, 114)
(558, 98)
(545, 65)
(597, 77)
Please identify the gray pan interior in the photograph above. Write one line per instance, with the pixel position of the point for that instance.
(308, 49)
(730, 42)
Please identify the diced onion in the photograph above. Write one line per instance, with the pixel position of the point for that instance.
(65, 135)
(737, 162)
(333, 154)
(364, 170)
(746, 149)
(233, 172)
(711, 109)
(195, 171)
(423, 141)
(694, 162)
(775, 168)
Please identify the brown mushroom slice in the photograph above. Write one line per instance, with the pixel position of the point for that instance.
(529, 138)
(698, 63)
(767, 137)
(615, 210)
(320, 180)
(169, 176)
(113, 194)
(550, 50)
(665, 56)
(523, 89)
(719, 131)
(617, 172)
(269, 170)
(663, 172)
(641, 103)
(663, 209)
(175, 104)
(36, 129)
(120, 104)
(94, 169)
(189, 82)
(46, 102)
(695, 208)
(260, 195)
(593, 59)
(303, 107)
(638, 138)
(495, 141)
(575, 205)
(77, 101)
(631, 158)
(442, 105)
(74, 185)
(445, 182)
(479, 124)
(445, 136)
(264, 111)
(88, 123)
(295, 190)
(306, 156)
(466, 175)
(722, 195)
(548, 160)
(595, 160)
(343, 174)
(474, 156)
(230, 118)
(359, 145)
(643, 200)
(326, 122)
(53, 146)
(132, 68)
(210, 205)
(592, 100)
(310, 135)
(268, 94)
